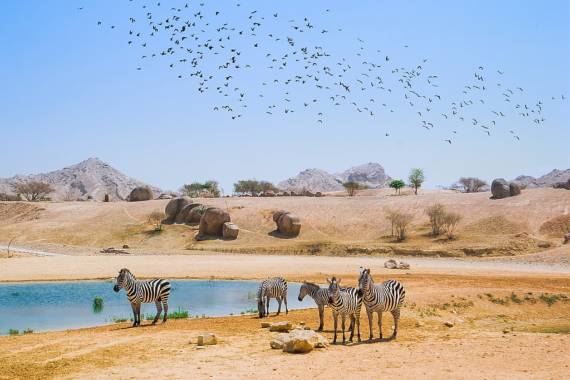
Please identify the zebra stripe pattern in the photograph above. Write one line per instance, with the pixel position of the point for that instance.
(346, 302)
(139, 292)
(275, 287)
(388, 296)
(319, 295)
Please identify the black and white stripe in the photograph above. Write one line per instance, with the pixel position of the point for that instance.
(346, 302)
(275, 287)
(387, 296)
(319, 295)
(139, 292)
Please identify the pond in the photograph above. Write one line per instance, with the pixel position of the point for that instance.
(44, 306)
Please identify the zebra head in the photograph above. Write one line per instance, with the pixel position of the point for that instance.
(334, 289)
(364, 280)
(303, 291)
(124, 276)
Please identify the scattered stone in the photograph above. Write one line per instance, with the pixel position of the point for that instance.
(419, 324)
(449, 323)
(506, 331)
(287, 223)
(299, 341)
(265, 325)
(230, 231)
(126, 246)
(141, 194)
(567, 238)
(207, 339)
(396, 264)
(165, 196)
(285, 326)
(114, 250)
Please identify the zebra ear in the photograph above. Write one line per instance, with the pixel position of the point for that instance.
(329, 281)
(338, 281)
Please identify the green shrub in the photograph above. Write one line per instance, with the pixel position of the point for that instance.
(97, 304)
(14, 332)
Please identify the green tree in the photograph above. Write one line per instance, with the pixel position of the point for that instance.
(351, 187)
(397, 185)
(416, 179)
(196, 189)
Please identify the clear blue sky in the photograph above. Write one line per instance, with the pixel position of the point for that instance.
(70, 90)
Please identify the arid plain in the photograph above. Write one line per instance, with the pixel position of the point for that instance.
(503, 284)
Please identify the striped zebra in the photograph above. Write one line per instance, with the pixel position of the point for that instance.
(319, 295)
(346, 302)
(139, 292)
(275, 287)
(388, 296)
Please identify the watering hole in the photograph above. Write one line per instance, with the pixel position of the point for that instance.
(44, 306)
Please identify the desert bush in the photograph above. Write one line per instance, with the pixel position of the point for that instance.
(397, 185)
(471, 184)
(198, 189)
(450, 222)
(156, 217)
(33, 190)
(27, 331)
(13, 332)
(436, 214)
(400, 222)
(416, 179)
(352, 187)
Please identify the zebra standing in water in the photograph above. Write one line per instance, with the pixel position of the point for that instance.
(346, 302)
(388, 296)
(319, 295)
(275, 287)
(139, 292)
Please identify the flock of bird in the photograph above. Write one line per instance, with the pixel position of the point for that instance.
(197, 42)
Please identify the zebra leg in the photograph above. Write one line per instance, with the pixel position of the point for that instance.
(321, 317)
(396, 315)
(158, 311)
(343, 316)
(138, 319)
(351, 328)
(165, 306)
(134, 307)
(286, 308)
(279, 300)
(370, 317)
(358, 326)
(335, 319)
(380, 323)
(267, 306)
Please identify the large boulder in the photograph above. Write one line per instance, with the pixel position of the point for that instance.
(396, 264)
(190, 213)
(514, 189)
(175, 206)
(562, 185)
(500, 188)
(212, 222)
(141, 194)
(230, 231)
(287, 223)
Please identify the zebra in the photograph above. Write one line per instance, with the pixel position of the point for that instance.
(346, 302)
(319, 295)
(275, 287)
(139, 292)
(388, 296)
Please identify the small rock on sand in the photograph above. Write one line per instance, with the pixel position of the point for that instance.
(207, 339)
(299, 341)
(265, 325)
(396, 264)
(449, 323)
(285, 326)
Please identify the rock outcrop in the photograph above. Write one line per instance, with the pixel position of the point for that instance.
(175, 206)
(371, 175)
(299, 341)
(287, 224)
(548, 180)
(90, 178)
(230, 231)
(212, 223)
(141, 193)
(500, 189)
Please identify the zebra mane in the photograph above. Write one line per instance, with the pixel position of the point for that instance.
(126, 271)
(311, 285)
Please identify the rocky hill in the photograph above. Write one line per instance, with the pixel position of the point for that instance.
(370, 174)
(546, 180)
(91, 177)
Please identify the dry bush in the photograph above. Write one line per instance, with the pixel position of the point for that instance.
(436, 214)
(400, 222)
(556, 227)
(34, 190)
(156, 217)
(472, 184)
(450, 222)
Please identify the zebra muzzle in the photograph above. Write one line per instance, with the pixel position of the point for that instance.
(116, 288)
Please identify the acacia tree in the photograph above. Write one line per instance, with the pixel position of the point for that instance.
(416, 179)
(197, 189)
(472, 184)
(397, 185)
(33, 190)
(351, 187)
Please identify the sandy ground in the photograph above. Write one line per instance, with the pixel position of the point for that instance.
(513, 340)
